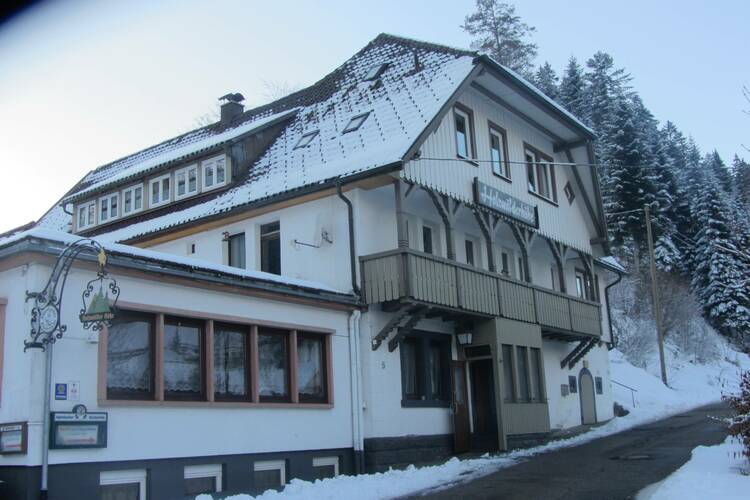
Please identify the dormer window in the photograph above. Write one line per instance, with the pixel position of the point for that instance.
(356, 122)
(306, 139)
(186, 182)
(375, 71)
(86, 215)
(214, 172)
(160, 191)
(109, 207)
(132, 200)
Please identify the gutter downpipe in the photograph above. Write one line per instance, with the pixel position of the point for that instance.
(355, 372)
(352, 254)
(46, 421)
(613, 343)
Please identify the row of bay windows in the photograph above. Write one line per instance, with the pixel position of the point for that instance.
(174, 186)
(155, 357)
(540, 174)
(509, 262)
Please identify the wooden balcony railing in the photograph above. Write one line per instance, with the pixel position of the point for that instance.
(409, 274)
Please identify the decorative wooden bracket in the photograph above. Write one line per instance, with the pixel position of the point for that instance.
(407, 328)
(558, 252)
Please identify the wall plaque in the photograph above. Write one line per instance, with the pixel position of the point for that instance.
(13, 438)
(74, 430)
(494, 199)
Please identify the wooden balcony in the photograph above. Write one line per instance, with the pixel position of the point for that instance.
(406, 275)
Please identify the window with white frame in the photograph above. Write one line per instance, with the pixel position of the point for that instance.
(326, 467)
(463, 130)
(200, 479)
(132, 199)
(214, 172)
(269, 474)
(160, 191)
(539, 173)
(521, 269)
(109, 207)
(186, 182)
(122, 485)
(86, 215)
(499, 152)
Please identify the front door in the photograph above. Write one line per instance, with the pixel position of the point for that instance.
(461, 431)
(588, 403)
(483, 399)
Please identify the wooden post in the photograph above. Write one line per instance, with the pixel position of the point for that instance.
(655, 290)
(402, 235)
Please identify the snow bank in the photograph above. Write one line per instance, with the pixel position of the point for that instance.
(692, 384)
(711, 472)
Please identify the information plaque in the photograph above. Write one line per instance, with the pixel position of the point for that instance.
(13, 438)
(70, 430)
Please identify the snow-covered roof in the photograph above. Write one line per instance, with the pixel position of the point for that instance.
(150, 255)
(612, 263)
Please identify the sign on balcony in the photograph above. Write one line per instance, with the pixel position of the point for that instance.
(496, 200)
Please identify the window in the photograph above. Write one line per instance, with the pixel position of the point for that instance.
(130, 357)
(521, 269)
(86, 215)
(599, 385)
(375, 71)
(509, 373)
(311, 368)
(326, 467)
(537, 377)
(463, 127)
(183, 359)
(583, 284)
(355, 123)
(270, 248)
(569, 193)
(573, 384)
(231, 362)
(122, 485)
(269, 475)
(427, 239)
(160, 190)
(236, 250)
(540, 175)
(505, 261)
(273, 356)
(109, 207)
(499, 152)
(201, 479)
(524, 393)
(306, 139)
(469, 246)
(132, 200)
(186, 182)
(425, 370)
(214, 172)
(553, 277)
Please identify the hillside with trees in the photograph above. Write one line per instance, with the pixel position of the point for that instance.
(699, 202)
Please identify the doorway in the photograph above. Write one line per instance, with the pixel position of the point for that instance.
(588, 401)
(460, 405)
(483, 402)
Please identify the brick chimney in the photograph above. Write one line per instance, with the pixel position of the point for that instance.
(231, 106)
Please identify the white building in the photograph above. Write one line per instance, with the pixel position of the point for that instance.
(404, 261)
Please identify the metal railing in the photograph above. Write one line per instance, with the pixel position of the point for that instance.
(632, 390)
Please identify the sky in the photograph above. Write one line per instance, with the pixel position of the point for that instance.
(84, 83)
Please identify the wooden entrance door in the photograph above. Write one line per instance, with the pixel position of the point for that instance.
(588, 403)
(460, 405)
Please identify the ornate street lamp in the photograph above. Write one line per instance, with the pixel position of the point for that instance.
(46, 328)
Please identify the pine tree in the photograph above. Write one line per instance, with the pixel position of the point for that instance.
(572, 89)
(716, 165)
(546, 79)
(605, 85)
(741, 181)
(499, 32)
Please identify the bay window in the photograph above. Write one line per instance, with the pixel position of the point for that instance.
(186, 182)
(160, 190)
(132, 200)
(540, 174)
(214, 172)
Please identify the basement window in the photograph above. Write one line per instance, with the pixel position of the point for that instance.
(200, 479)
(355, 123)
(306, 139)
(269, 474)
(325, 467)
(375, 71)
(114, 485)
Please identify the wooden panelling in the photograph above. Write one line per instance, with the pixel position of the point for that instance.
(525, 418)
(412, 275)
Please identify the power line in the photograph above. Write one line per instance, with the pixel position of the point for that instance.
(686, 240)
(518, 162)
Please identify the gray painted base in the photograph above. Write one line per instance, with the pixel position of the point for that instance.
(165, 476)
(397, 452)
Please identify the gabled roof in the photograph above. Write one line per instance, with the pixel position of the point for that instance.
(420, 78)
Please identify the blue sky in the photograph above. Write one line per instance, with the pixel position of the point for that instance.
(84, 83)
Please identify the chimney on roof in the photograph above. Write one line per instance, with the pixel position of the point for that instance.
(231, 107)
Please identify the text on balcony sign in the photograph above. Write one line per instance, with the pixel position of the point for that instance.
(496, 200)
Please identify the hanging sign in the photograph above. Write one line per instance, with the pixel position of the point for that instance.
(78, 430)
(494, 199)
(13, 438)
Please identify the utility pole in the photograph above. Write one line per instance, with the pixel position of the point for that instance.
(655, 290)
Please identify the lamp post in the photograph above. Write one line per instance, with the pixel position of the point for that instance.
(46, 326)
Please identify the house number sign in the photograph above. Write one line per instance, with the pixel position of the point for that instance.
(494, 199)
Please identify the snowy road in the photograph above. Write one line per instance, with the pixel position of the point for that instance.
(613, 467)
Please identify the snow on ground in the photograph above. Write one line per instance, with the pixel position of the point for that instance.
(711, 472)
(692, 385)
